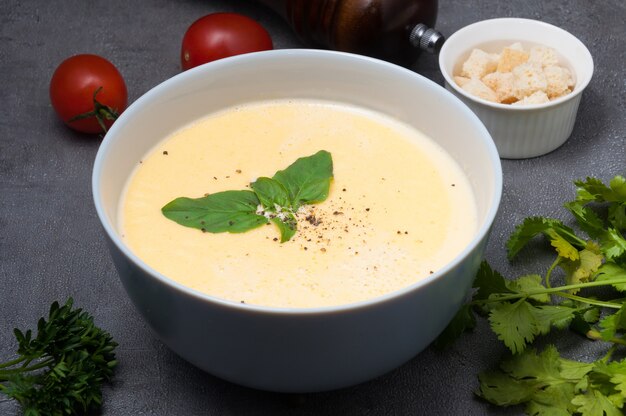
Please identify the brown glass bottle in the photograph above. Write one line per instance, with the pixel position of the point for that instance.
(386, 29)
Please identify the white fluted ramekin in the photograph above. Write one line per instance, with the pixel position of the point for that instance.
(520, 131)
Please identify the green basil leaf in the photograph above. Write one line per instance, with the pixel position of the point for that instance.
(271, 193)
(229, 211)
(307, 180)
(287, 227)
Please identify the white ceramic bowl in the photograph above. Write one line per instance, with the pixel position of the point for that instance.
(520, 131)
(297, 350)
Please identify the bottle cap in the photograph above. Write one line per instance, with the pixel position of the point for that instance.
(426, 38)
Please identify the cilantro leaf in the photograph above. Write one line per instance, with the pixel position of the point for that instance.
(530, 228)
(610, 377)
(518, 324)
(500, 389)
(545, 365)
(228, 211)
(561, 236)
(591, 315)
(584, 318)
(554, 404)
(610, 272)
(594, 403)
(613, 244)
(307, 180)
(617, 216)
(593, 190)
(561, 244)
(557, 316)
(613, 323)
(529, 283)
(540, 381)
(515, 324)
(618, 188)
(488, 282)
(585, 267)
(586, 218)
(575, 370)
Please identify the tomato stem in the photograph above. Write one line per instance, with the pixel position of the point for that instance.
(100, 111)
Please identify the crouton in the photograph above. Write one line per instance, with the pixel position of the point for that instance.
(559, 81)
(538, 97)
(543, 55)
(460, 81)
(510, 58)
(478, 64)
(502, 84)
(528, 79)
(478, 89)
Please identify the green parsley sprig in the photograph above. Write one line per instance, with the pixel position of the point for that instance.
(60, 371)
(522, 309)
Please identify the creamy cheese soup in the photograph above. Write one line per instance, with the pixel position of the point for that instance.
(399, 207)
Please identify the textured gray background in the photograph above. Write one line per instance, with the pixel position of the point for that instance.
(51, 245)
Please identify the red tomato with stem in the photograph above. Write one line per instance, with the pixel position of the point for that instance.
(88, 93)
(220, 35)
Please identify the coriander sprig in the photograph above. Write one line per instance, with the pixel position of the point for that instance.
(519, 310)
(60, 371)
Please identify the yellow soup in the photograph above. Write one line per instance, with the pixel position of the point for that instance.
(399, 206)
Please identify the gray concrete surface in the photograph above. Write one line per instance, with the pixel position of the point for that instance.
(51, 245)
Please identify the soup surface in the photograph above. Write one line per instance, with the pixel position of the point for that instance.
(399, 207)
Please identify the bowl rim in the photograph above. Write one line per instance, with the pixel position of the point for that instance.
(580, 86)
(292, 54)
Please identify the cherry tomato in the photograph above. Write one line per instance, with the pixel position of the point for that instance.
(220, 35)
(88, 93)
